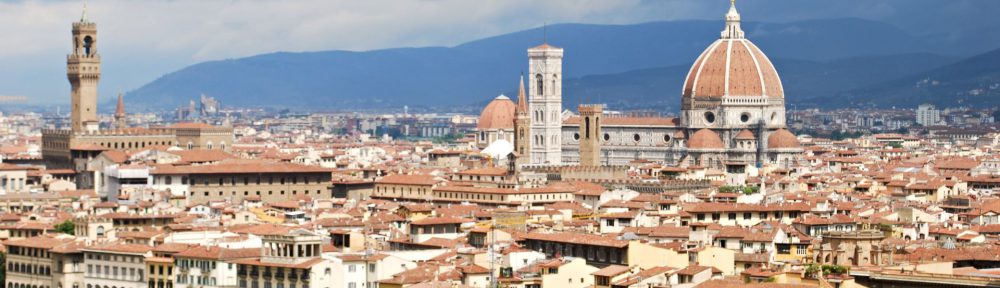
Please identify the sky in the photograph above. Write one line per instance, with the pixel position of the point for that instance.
(142, 40)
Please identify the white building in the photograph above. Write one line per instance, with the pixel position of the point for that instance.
(928, 115)
(116, 265)
(207, 266)
(545, 103)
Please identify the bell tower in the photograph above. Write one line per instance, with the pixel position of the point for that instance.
(590, 131)
(83, 69)
(545, 78)
(522, 127)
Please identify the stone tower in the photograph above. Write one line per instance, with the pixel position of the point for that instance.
(522, 127)
(590, 131)
(83, 68)
(120, 122)
(545, 104)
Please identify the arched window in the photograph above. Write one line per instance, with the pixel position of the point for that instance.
(553, 88)
(100, 231)
(88, 43)
(586, 123)
(540, 83)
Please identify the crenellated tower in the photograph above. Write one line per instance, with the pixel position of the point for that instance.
(83, 69)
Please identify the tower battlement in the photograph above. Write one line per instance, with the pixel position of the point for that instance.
(84, 26)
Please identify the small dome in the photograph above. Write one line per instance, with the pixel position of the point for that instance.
(745, 135)
(705, 139)
(781, 138)
(679, 134)
(499, 114)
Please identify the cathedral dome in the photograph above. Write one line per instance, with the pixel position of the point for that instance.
(705, 139)
(732, 66)
(781, 138)
(499, 114)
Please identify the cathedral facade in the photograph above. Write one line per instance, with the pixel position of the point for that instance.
(732, 114)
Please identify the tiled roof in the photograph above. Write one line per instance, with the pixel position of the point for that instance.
(578, 238)
(239, 167)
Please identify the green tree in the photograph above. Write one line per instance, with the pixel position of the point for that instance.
(3, 269)
(66, 227)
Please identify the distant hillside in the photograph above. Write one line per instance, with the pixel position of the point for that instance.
(974, 81)
(661, 87)
(477, 71)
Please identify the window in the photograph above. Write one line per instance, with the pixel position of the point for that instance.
(539, 82)
(732, 216)
(746, 215)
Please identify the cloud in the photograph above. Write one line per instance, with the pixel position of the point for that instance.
(141, 40)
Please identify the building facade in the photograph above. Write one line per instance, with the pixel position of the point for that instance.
(545, 103)
(732, 114)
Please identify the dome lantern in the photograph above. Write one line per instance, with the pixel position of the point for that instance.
(733, 30)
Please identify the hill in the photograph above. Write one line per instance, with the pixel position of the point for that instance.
(660, 88)
(476, 71)
(974, 81)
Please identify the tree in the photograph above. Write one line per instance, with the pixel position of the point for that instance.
(66, 227)
(3, 269)
(728, 189)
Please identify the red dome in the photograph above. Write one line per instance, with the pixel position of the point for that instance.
(499, 114)
(745, 135)
(705, 139)
(781, 138)
(732, 66)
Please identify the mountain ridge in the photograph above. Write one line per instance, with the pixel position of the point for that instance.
(464, 74)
